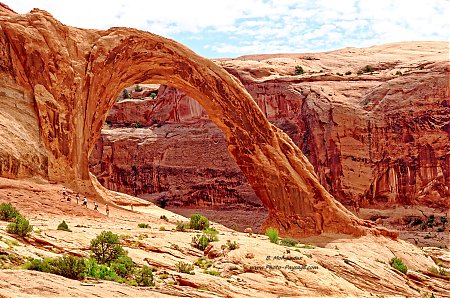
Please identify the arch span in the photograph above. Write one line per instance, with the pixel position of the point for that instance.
(75, 75)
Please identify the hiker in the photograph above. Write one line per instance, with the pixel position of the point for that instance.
(78, 197)
(131, 205)
(95, 206)
(107, 210)
(85, 201)
(64, 192)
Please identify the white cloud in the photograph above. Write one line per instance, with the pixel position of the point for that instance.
(251, 26)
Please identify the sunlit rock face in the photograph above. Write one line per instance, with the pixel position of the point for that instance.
(376, 139)
(74, 75)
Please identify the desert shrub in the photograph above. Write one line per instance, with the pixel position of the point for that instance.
(398, 73)
(63, 226)
(288, 242)
(8, 212)
(144, 277)
(230, 245)
(153, 95)
(68, 266)
(106, 247)
(162, 228)
(101, 271)
(299, 70)
(123, 266)
(182, 226)
(20, 226)
(200, 241)
(143, 225)
(184, 267)
(417, 221)
(136, 125)
(203, 263)
(348, 73)
(398, 264)
(138, 88)
(444, 220)
(430, 220)
(272, 234)
(164, 217)
(198, 222)
(367, 68)
(212, 272)
(38, 265)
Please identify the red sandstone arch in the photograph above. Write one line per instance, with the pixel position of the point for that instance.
(74, 76)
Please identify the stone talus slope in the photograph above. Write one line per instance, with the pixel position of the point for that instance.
(74, 76)
(375, 139)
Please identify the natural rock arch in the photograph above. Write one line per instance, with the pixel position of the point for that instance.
(75, 75)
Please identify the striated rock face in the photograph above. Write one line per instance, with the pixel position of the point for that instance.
(376, 139)
(74, 76)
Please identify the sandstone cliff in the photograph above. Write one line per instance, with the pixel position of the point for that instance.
(375, 139)
(72, 77)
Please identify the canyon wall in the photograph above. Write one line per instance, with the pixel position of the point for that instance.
(375, 139)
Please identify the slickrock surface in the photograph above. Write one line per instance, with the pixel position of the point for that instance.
(67, 80)
(333, 265)
(378, 139)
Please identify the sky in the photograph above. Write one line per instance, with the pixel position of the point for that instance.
(231, 28)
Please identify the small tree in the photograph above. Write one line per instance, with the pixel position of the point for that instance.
(106, 247)
(144, 277)
(20, 226)
(63, 226)
(198, 222)
(8, 212)
(299, 70)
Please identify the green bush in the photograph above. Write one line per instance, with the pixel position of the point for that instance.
(439, 271)
(164, 217)
(230, 245)
(182, 226)
(106, 248)
(348, 73)
(272, 234)
(162, 228)
(20, 226)
(144, 277)
(8, 212)
(153, 95)
(212, 272)
(38, 265)
(143, 225)
(95, 270)
(68, 266)
(184, 267)
(123, 266)
(398, 73)
(299, 70)
(136, 125)
(288, 242)
(138, 88)
(198, 222)
(203, 263)
(63, 226)
(200, 241)
(398, 264)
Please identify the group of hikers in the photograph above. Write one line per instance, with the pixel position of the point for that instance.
(68, 198)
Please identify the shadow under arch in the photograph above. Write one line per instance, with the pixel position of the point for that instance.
(75, 74)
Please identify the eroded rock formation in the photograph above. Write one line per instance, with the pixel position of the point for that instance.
(74, 75)
(376, 139)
